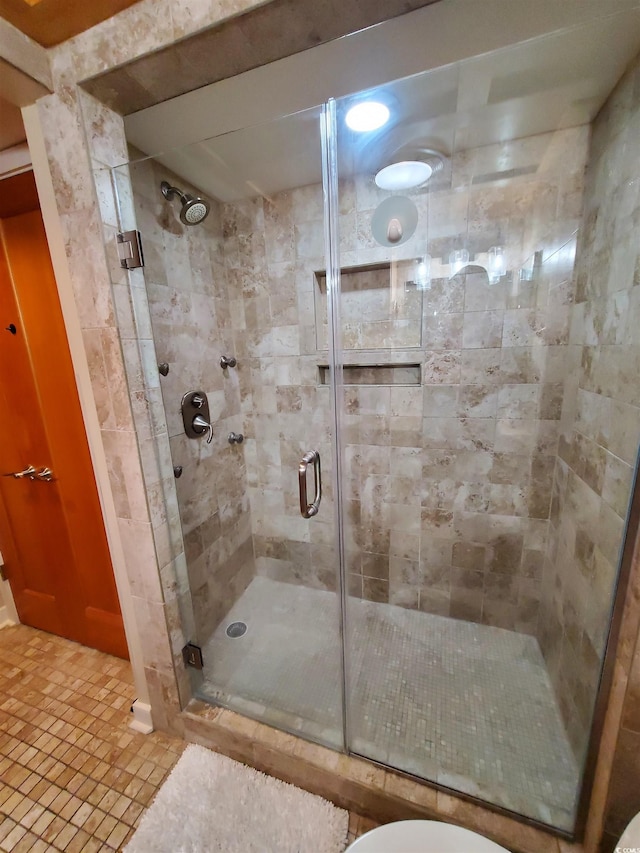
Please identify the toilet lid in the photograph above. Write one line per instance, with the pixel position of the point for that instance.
(631, 835)
(423, 836)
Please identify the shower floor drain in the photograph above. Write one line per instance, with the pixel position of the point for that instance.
(236, 629)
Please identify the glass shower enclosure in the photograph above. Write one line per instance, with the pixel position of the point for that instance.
(388, 531)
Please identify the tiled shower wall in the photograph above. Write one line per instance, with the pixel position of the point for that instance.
(600, 425)
(449, 481)
(190, 314)
(271, 249)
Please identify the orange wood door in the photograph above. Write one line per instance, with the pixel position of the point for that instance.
(51, 533)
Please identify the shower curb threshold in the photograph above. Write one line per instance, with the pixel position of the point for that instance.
(353, 783)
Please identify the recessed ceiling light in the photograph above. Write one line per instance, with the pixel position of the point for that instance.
(368, 115)
(404, 175)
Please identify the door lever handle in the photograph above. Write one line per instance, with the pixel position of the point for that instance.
(201, 425)
(45, 474)
(29, 472)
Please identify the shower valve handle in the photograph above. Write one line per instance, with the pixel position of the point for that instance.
(200, 425)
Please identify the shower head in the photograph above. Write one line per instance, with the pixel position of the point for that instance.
(194, 210)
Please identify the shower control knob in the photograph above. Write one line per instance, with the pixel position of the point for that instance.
(236, 438)
(227, 361)
(197, 401)
(200, 425)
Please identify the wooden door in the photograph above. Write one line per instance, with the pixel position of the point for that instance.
(51, 531)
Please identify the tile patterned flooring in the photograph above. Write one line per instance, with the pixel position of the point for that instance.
(466, 705)
(73, 776)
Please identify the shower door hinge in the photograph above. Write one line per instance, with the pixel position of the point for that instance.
(192, 656)
(130, 250)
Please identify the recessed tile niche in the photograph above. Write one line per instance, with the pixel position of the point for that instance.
(375, 374)
(380, 307)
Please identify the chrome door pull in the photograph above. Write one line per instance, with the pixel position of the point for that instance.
(29, 472)
(45, 474)
(308, 510)
(201, 425)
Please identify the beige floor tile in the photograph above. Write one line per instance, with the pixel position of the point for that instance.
(82, 814)
(11, 840)
(105, 828)
(55, 827)
(73, 776)
(79, 842)
(118, 834)
(41, 824)
(26, 843)
(65, 836)
(31, 816)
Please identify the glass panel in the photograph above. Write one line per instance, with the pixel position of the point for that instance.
(367, 291)
(240, 285)
(481, 540)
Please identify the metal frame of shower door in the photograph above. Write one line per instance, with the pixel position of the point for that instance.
(329, 141)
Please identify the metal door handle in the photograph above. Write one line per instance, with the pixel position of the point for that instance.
(45, 474)
(201, 425)
(308, 510)
(29, 472)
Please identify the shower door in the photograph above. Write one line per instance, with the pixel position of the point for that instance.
(232, 303)
(470, 467)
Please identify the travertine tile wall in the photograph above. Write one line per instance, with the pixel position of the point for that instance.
(190, 314)
(270, 255)
(80, 149)
(129, 403)
(449, 481)
(600, 425)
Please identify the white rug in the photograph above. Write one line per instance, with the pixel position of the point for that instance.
(211, 803)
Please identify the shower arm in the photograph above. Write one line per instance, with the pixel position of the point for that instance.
(168, 192)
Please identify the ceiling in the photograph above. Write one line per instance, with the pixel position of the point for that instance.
(547, 66)
(50, 22)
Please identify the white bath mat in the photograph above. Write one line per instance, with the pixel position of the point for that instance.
(211, 803)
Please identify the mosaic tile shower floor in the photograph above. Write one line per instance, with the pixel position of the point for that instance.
(466, 705)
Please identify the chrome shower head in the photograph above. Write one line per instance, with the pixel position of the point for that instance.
(194, 210)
